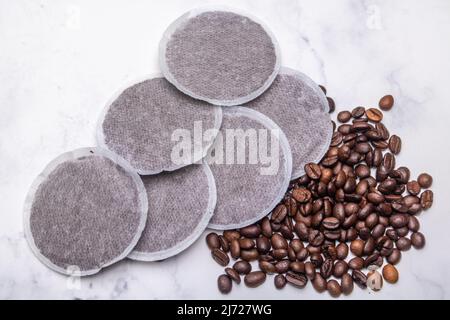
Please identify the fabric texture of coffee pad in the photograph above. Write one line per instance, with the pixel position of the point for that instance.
(220, 56)
(181, 204)
(298, 105)
(252, 165)
(145, 122)
(86, 211)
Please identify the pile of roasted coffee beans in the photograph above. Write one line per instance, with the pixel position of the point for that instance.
(345, 218)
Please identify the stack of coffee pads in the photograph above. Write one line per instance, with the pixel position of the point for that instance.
(213, 142)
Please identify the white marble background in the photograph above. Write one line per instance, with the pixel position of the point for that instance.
(60, 61)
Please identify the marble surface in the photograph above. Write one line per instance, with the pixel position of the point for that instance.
(60, 62)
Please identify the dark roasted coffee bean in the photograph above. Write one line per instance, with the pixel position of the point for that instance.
(302, 195)
(337, 139)
(415, 209)
(352, 234)
(413, 224)
(375, 198)
(387, 186)
(233, 274)
(287, 232)
(224, 284)
(310, 270)
(242, 267)
(297, 245)
(251, 232)
(364, 234)
(313, 171)
(246, 244)
(386, 103)
(235, 249)
(316, 259)
(413, 188)
(324, 90)
(255, 279)
(402, 232)
(331, 104)
(382, 173)
(224, 244)
(263, 245)
(362, 187)
(292, 256)
(267, 267)
(362, 171)
(316, 238)
(418, 240)
(366, 211)
(329, 251)
(369, 246)
(280, 213)
(403, 244)
(249, 255)
(231, 235)
(383, 145)
(402, 175)
(426, 199)
(298, 267)
(410, 200)
(220, 257)
(347, 284)
(340, 268)
(359, 278)
(372, 221)
(398, 221)
(213, 242)
(425, 180)
(358, 112)
(342, 251)
(372, 260)
(363, 147)
(266, 227)
(326, 269)
(389, 161)
(350, 185)
(378, 231)
(297, 280)
(356, 263)
(278, 242)
(331, 223)
(280, 281)
(395, 257)
(280, 254)
(319, 283)
(291, 204)
(344, 116)
(395, 144)
(374, 115)
(382, 131)
(334, 288)
(303, 254)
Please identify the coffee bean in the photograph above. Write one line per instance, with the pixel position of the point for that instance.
(326, 269)
(413, 188)
(251, 232)
(426, 199)
(235, 249)
(402, 175)
(342, 251)
(212, 240)
(418, 240)
(310, 270)
(386, 103)
(413, 224)
(358, 112)
(331, 104)
(302, 195)
(334, 288)
(331, 223)
(282, 266)
(267, 267)
(278, 242)
(402, 232)
(398, 221)
(249, 255)
(337, 139)
(403, 244)
(303, 254)
(316, 238)
(359, 278)
(347, 284)
(375, 198)
(296, 245)
(390, 274)
(316, 259)
(255, 279)
(319, 283)
(378, 231)
(324, 90)
(242, 267)
(369, 246)
(220, 257)
(280, 281)
(280, 254)
(389, 161)
(395, 144)
(246, 244)
(297, 280)
(224, 284)
(374, 115)
(374, 281)
(373, 260)
(231, 235)
(344, 116)
(263, 245)
(233, 274)
(395, 257)
(425, 180)
(362, 171)
(313, 171)
(298, 267)
(356, 263)
(357, 247)
(340, 268)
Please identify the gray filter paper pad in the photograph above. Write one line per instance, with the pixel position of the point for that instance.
(298, 105)
(180, 206)
(248, 189)
(142, 124)
(86, 211)
(220, 56)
